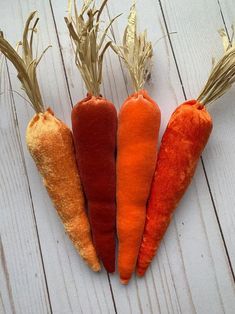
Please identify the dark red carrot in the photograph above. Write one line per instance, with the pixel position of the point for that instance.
(94, 123)
(185, 138)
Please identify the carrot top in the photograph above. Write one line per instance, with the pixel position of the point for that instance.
(88, 45)
(223, 72)
(26, 64)
(136, 51)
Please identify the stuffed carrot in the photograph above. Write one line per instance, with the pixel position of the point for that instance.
(50, 143)
(138, 127)
(94, 123)
(185, 138)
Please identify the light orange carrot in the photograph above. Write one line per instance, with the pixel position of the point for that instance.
(50, 144)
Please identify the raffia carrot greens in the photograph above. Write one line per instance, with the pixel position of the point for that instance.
(185, 138)
(94, 123)
(138, 128)
(50, 144)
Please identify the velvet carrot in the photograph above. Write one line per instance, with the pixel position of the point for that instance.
(138, 128)
(50, 144)
(94, 123)
(185, 138)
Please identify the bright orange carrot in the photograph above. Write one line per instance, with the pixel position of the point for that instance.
(185, 137)
(50, 143)
(138, 128)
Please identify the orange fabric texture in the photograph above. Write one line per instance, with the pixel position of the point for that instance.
(182, 144)
(50, 144)
(138, 128)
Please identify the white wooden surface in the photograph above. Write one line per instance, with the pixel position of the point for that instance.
(193, 272)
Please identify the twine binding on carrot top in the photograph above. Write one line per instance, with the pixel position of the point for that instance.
(223, 72)
(26, 64)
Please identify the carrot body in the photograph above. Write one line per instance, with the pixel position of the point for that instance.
(138, 128)
(50, 143)
(182, 144)
(94, 122)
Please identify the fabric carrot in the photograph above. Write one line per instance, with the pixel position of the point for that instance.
(138, 128)
(185, 138)
(50, 143)
(94, 123)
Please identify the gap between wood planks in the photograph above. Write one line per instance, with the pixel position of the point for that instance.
(201, 158)
(6, 275)
(13, 107)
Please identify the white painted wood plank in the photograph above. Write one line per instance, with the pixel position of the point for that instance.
(72, 286)
(22, 280)
(191, 273)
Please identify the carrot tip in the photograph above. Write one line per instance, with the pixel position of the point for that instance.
(110, 269)
(111, 272)
(124, 281)
(139, 274)
(96, 268)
